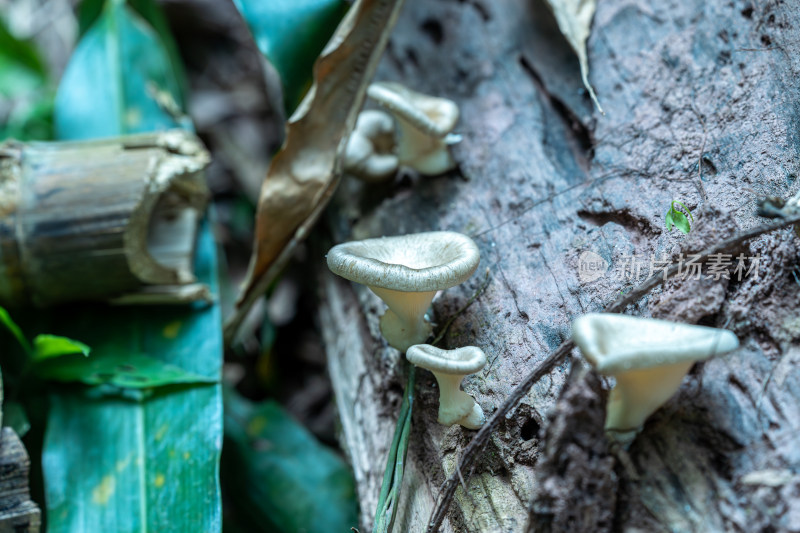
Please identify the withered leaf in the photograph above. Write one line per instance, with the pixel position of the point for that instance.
(306, 171)
(574, 19)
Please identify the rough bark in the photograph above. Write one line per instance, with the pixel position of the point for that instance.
(17, 512)
(702, 105)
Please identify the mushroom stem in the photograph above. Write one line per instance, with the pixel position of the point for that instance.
(455, 405)
(639, 393)
(404, 324)
(426, 154)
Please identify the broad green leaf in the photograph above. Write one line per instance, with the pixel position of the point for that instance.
(112, 464)
(669, 221)
(126, 371)
(49, 346)
(90, 10)
(118, 81)
(280, 477)
(291, 34)
(6, 320)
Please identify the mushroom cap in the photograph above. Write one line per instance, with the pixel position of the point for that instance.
(430, 261)
(461, 361)
(378, 126)
(615, 343)
(435, 116)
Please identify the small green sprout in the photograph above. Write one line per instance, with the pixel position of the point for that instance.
(43, 346)
(677, 218)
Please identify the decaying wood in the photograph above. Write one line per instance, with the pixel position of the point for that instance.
(101, 220)
(575, 460)
(700, 101)
(681, 305)
(18, 514)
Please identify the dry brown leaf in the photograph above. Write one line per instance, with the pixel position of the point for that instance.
(306, 171)
(574, 19)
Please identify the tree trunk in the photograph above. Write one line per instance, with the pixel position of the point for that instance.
(702, 106)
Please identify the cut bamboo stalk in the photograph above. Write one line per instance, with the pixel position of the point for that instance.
(110, 220)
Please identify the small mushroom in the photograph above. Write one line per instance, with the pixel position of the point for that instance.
(449, 367)
(425, 124)
(648, 358)
(369, 155)
(405, 272)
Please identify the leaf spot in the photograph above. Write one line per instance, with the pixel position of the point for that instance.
(104, 490)
(172, 329)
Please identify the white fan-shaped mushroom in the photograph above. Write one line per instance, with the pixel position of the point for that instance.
(370, 153)
(405, 272)
(449, 367)
(648, 358)
(425, 126)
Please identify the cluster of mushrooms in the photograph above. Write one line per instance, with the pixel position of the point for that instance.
(414, 131)
(406, 272)
(648, 358)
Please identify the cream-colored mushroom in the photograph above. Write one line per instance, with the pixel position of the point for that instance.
(405, 272)
(648, 358)
(370, 152)
(425, 126)
(449, 367)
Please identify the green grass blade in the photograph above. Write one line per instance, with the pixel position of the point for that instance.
(8, 322)
(395, 461)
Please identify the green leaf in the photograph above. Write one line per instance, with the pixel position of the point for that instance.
(681, 222)
(49, 346)
(90, 10)
(14, 416)
(669, 220)
(291, 34)
(112, 464)
(6, 320)
(280, 477)
(684, 208)
(135, 372)
(119, 80)
(21, 69)
(31, 119)
(26, 97)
